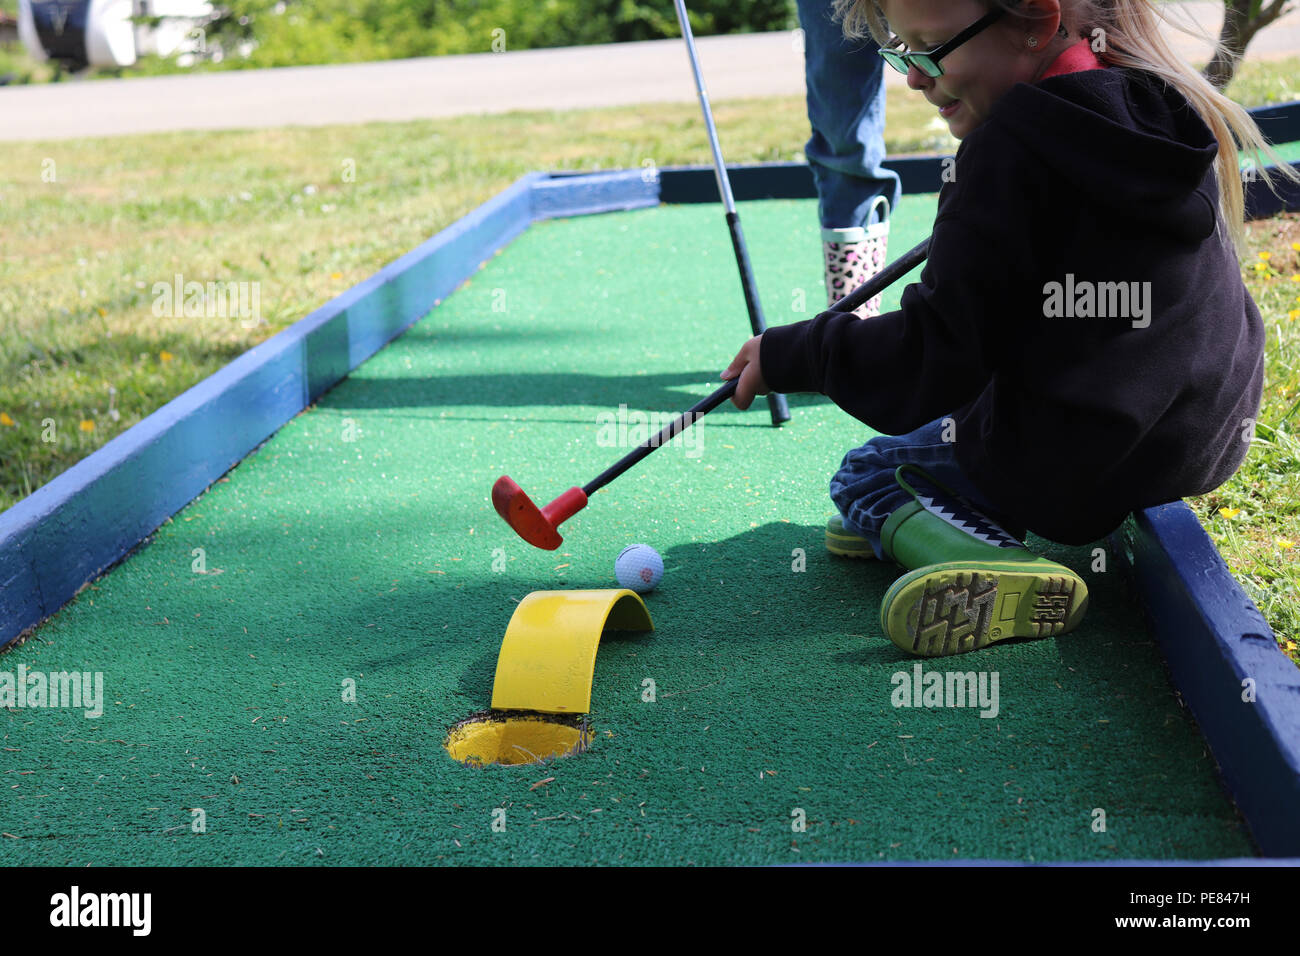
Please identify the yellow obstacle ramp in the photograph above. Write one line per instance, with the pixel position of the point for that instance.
(548, 657)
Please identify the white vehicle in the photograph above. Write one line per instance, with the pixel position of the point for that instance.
(80, 33)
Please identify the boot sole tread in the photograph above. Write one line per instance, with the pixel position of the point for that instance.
(953, 611)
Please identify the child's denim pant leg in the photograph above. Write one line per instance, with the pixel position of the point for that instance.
(846, 110)
(866, 492)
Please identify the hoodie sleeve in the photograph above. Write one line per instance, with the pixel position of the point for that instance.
(899, 370)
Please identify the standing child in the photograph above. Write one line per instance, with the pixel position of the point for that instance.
(846, 111)
(1080, 344)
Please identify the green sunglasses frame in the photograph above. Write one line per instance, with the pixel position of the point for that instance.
(928, 62)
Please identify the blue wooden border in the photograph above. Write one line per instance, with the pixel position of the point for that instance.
(72, 529)
(691, 184)
(1280, 123)
(566, 194)
(1216, 643)
(1262, 201)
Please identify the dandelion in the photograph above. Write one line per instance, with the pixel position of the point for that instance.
(1229, 513)
(1266, 256)
(1296, 246)
(339, 275)
(1293, 315)
(87, 425)
(165, 355)
(6, 420)
(1261, 266)
(1286, 544)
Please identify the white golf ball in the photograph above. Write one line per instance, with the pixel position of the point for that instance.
(639, 568)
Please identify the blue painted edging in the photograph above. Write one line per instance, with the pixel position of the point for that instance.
(70, 530)
(1262, 201)
(690, 184)
(1217, 645)
(1280, 123)
(561, 194)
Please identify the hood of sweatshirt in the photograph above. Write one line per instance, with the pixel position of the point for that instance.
(1135, 146)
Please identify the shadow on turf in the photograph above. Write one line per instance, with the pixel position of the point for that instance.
(744, 584)
(836, 594)
(664, 392)
(738, 607)
(738, 599)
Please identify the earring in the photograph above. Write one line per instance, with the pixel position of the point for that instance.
(1032, 41)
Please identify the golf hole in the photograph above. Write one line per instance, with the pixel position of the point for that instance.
(514, 738)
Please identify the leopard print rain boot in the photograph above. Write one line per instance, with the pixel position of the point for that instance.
(852, 256)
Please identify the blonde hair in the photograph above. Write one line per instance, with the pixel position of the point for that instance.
(1132, 38)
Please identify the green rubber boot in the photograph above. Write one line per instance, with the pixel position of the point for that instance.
(840, 540)
(971, 582)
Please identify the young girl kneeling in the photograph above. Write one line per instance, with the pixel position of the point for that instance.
(1080, 344)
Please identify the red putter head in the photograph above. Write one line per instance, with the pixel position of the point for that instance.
(537, 526)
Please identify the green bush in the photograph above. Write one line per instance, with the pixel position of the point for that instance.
(334, 31)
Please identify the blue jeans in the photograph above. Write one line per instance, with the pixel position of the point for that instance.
(866, 492)
(846, 109)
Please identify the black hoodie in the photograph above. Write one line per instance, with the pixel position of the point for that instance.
(1075, 194)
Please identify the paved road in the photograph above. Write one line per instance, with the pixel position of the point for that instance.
(763, 64)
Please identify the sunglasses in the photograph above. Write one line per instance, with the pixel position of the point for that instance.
(928, 63)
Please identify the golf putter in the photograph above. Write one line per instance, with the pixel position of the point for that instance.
(776, 403)
(540, 526)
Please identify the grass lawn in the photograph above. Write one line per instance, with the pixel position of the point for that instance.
(1254, 518)
(88, 227)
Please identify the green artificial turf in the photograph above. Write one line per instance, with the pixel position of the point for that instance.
(359, 544)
